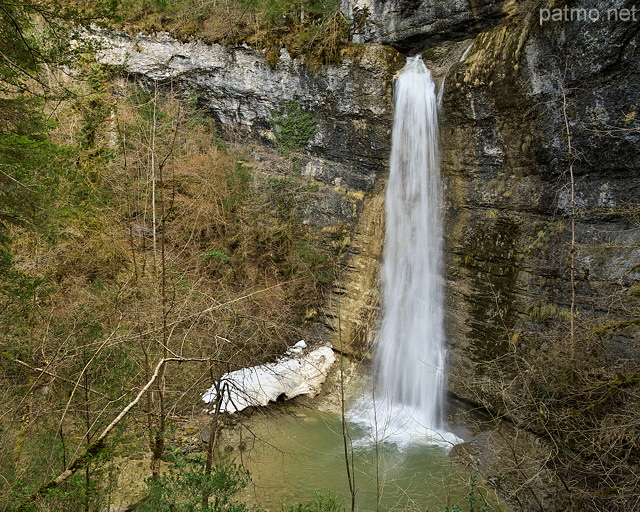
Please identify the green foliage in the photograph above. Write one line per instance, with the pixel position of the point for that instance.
(293, 127)
(474, 498)
(32, 34)
(314, 29)
(94, 105)
(25, 46)
(217, 256)
(542, 311)
(314, 262)
(83, 491)
(188, 487)
(238, 179)
(29, 163)
(320, 503)
(290, 11)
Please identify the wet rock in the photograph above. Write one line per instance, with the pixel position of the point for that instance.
(412, 26)
(510, 102)
(511, 461)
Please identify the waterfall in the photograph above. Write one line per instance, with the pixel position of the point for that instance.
(406, 405)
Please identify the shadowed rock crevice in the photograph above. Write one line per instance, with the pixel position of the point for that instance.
(412, 26)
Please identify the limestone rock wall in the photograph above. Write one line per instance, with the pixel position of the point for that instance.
(341, 164)
(524, 107)
(515, 92)
(238, 88)
(414, 25)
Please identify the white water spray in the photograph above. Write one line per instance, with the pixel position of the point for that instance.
(410, 352)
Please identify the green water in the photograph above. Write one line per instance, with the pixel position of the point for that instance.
(292, 456)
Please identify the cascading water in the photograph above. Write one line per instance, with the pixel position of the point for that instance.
(406, 405)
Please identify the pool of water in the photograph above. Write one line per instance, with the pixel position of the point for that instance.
(292, 456)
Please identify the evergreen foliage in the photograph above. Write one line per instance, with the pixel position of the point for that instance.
(182, 487)
(293, 127)
(475, 500)
(320, 503)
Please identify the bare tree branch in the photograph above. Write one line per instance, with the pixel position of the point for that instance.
(99, 444)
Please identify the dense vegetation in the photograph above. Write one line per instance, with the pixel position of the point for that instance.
(314, 29)
(139, 252)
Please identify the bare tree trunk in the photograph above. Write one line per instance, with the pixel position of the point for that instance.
(158, 442)
(572, 250)
(346, 439)
(87, 419)
(97, 446)
(213, 435)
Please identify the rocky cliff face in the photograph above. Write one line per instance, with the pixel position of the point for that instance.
(518, 195)
(541, 173)
(342, 162)
(541, 164)
(239, 89)
(414, 25)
